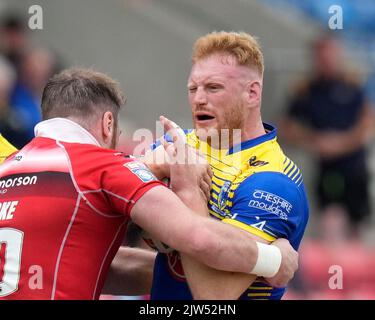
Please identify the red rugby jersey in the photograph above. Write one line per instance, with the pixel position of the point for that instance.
(64, 209)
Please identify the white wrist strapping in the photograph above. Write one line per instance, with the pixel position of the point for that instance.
(268, 262)
(180, 132)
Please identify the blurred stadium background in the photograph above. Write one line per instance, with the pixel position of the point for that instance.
(146, 45)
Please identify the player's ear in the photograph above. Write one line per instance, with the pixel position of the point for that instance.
(108, 126)
(253, 93)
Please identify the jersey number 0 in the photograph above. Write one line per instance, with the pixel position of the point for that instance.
(10, 260)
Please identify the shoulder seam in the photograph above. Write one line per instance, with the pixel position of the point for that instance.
(78, 190)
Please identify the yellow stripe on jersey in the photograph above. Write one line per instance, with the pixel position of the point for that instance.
(261, 288)
(259, 294)
(287, 164)
(295, 175)
(293, 172)
(250, 229)
(215, 214)
(298, 181)
(6, 148)
(215, 188)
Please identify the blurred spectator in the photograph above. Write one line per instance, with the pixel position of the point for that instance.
(329, 117)
(10, 127)
(370, 83)
(37, 66)
(34, 66)
(14, 38)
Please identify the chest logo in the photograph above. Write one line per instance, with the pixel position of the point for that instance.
(223, 195)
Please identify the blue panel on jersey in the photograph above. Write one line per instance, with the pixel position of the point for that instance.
(273, 203)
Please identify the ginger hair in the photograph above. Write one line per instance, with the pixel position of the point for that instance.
(240, 45)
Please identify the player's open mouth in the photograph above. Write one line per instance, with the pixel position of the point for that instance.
(201, 117)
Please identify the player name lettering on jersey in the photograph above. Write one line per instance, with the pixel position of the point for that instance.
(7, 209)
(19, 181)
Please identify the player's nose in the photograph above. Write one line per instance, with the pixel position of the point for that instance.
(200, 97)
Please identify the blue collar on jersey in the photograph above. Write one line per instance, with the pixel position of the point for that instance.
(271, 134)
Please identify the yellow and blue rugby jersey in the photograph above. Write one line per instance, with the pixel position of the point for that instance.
(255, 187)
(6, 148)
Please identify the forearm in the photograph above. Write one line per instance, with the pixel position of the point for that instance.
(206, 283)
(225, 247)
(190, 199)
(130, 272)
(209, 283)
(211, 242)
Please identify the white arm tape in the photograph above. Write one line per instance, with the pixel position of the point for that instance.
(180, 132)
(268, 262)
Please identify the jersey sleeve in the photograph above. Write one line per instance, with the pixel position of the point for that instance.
(126, 182)
(269, 205)
(110, 182)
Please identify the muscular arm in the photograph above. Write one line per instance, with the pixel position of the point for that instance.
(230, 285)
(131, 272)
(161, 213)
(206, 283)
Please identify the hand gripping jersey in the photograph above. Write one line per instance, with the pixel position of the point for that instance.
(5, 148)
(64, 208)
(255, 187)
